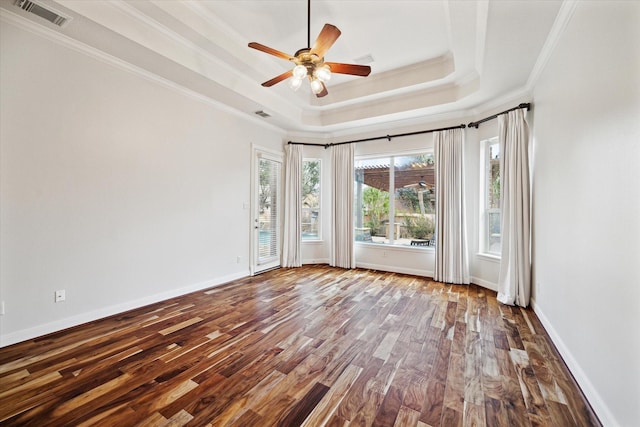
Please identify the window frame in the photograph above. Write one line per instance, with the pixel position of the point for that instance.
(485, 211)
(391, 156)
(317, 238)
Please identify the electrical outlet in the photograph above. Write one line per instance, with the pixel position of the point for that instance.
(60, 295)
(238, 259)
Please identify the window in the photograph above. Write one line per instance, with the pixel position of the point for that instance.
(490, 238)
(269, 212)
(311, 199)
(404, 215)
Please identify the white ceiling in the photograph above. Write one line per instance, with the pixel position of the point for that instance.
(430, 58)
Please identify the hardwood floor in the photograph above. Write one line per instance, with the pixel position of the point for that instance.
(310, 346)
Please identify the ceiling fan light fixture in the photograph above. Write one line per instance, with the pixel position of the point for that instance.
(295, 83)
(299, 71)
(310, 60)
(316, 86)
(323, 73)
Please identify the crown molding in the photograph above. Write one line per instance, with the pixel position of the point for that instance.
(464, 113)
(482, 18)
(61, 39)
(449, 118)
(557, 29)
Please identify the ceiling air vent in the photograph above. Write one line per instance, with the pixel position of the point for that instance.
(263, 114)
(366, 59)
(43, 12)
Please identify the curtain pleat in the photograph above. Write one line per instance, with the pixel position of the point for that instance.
(514, 281)
(451, 264)
(291, 244)
(342, 206)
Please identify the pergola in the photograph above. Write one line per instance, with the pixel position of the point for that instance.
(377, 175)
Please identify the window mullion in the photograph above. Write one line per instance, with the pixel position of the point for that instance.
(392, 200)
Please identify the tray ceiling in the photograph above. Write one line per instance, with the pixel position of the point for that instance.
(428, 58)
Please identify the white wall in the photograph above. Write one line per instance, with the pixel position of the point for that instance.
(111, 188)
(484, 268)
(587, 204)
(411, 260)
(115, 188)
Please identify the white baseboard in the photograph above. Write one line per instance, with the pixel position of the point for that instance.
(590, 392)
(413, 271)
(485, 284)
(425, 273)
(394, 269)
(316, 261)
(600, 408)
(58, 325)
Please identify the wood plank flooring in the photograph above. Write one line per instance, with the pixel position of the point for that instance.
(312, 346)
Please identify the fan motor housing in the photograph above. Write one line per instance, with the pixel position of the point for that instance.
(305, 57)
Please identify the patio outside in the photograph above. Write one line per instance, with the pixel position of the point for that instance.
(404, 215)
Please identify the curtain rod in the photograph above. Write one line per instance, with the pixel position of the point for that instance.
(376, 137)
(476, 124)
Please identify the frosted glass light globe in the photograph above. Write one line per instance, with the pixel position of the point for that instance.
(299, 71)
(323, 73)
(295, 83)
(316, 86)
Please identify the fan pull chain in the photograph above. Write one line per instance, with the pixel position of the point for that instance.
(309, 24)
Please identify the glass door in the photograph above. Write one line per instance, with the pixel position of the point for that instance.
(267, 202)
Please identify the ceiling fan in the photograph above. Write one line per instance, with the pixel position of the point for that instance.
(421, 187)
(310, 61)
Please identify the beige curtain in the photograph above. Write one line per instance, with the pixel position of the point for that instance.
(342, 206)
(452, 264)
(291, 242)
(514, 281)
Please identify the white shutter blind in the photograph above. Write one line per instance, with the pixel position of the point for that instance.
(269, 224)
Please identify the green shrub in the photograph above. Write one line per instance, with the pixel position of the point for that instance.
(419, 227)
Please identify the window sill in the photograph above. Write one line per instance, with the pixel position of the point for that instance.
(400, 248)
(313, 242)
(489, 257)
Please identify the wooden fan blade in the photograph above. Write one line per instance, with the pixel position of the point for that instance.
(353, 69)
(278, 79)
(270, 51)
(324, 92)
(325, 40)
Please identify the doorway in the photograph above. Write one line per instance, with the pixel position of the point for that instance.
(267, 205)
